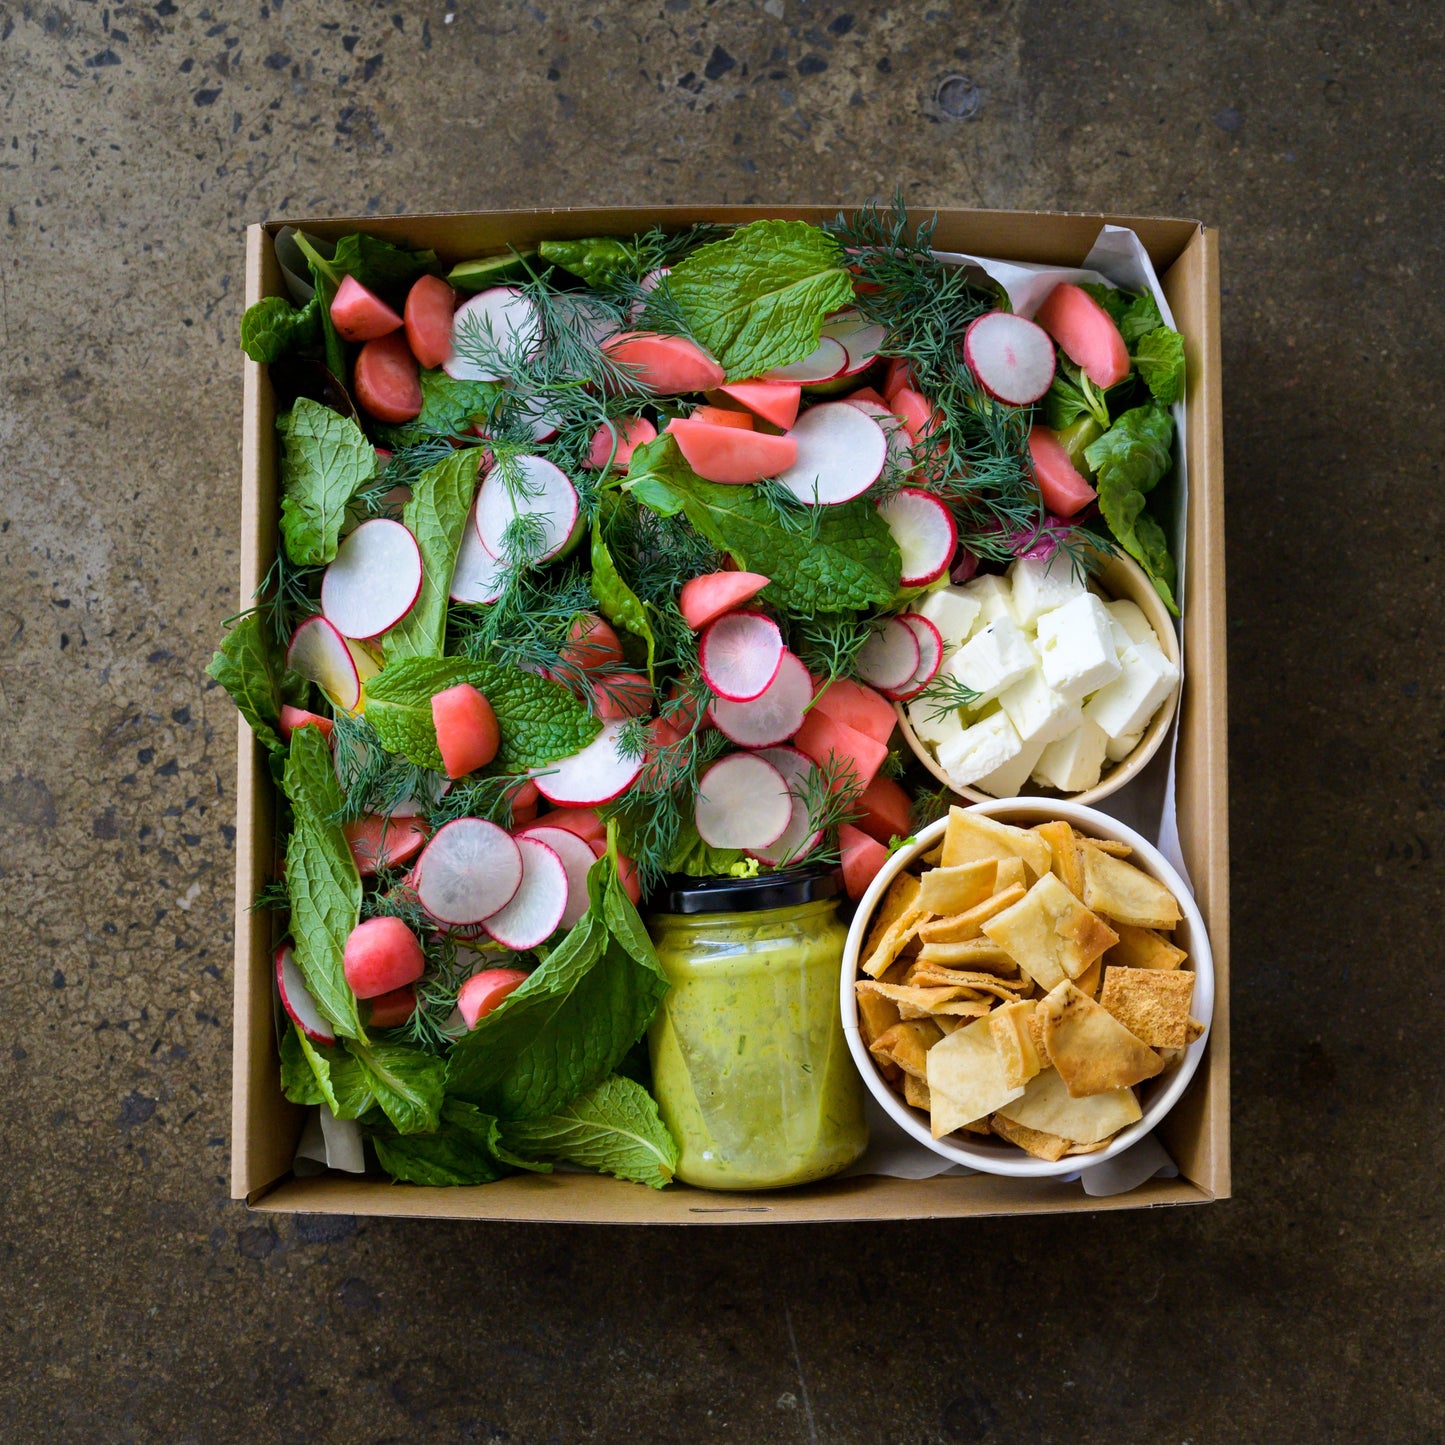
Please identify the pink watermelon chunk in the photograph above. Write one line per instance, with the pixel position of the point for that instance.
(863, 859)
(887, 813)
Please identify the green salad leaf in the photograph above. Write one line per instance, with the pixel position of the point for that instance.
(407, 1083)
(274, 328)
(1114, 301)
(464, 1148)
(379, 265)
(696, 859)
(441, 500)
(613, 1128)
(325, 279)
(321, 879)
(299, 1081)
(596, 259)
(251, 668)
(325, 460)
(540, 721)
(452, 406)
(758, 298)
(1159, 355)
(1140, 317)
(320, 1074)
(617, 601)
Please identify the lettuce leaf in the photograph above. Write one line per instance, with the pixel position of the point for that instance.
(464, 1148)
(407, 1083)
(617, 602)
(274, 328)
(325, 460)
(378, 265)
(596, 259)
(321, 1074)
(758, 298)
(251, 668)
(1113, 300)
(1140, 317)
(1159, 356)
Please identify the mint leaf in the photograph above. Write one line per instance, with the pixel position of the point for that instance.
(274, 328)
(849, 562)
(1159, 355)
(407, 1083)
(758, 298)
(250, 667)
(596, 259)
(325, 460)
(452, 406)
(463, 1149)
(321, 879)
(540, 721)
(613, 1128)
(441, 499)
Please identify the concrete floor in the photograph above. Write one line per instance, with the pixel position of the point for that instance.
(137, 1302)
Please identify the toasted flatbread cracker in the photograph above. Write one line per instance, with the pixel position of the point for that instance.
(924, 999)
(1153, 1004)
(877, 1013)
(1093, 1052)
(897, 971)
(949, 1022)
(907, 1044)
(988, 988)
(1194, 1030)
(1090, 1148)
(1121, 891)
(1031, 1141)
(890, 1070)
(1037, 1039)
(970, 837)
(902, 895)
(1047, 1105)
(933, 857)
(1142, 948)
(1009, 1025)
(915, 1092)
(1049, 933)
(982, 953)
(1088, 981)
(960, 927)
(1060, 838)
(955, 890)
(966, 1078)
(889, 944)
(977, 1126)
(1012, 873)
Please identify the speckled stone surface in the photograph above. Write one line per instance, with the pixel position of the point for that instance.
(137, 1302)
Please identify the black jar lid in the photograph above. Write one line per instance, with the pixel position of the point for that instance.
(680, 894)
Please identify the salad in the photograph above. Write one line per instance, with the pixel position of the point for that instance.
(597, 565)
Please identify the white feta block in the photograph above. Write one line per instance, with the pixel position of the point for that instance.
(993, 596)
(980, 750)
(1038, 584)
(1074, 763)
(1008, 781)
(1120, 748)
(953, 612)
(1130, 616)
(1038, 713)
(993, 659)
(1076, 647)
(1125, 706)
(931, 729)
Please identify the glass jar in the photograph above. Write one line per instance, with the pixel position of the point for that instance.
(749, 1064)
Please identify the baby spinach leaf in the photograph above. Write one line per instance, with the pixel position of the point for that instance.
(250, 667)
(274, 328)
(596, 259)
(325, 460)
(378, 265)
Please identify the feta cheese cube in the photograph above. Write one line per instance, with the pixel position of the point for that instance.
(1131, 618)
(1037, 712)
(994, 658)
(953, 611)
(1076, 647)
(1074, 763)
(992, 595)
(980, 750)
(1038, 584)
(1125, 706)
(1008, 781)
(930, 728)
(1120, 748)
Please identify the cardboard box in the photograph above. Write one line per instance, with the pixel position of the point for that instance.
(265, 1127)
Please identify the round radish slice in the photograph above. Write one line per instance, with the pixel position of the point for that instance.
(841, 453)
(535, 910)
(890, 657)
(740, 653)
(587, 317)
(862, 340)
(374, 579)
(469, 870)
(826, 361)
(930, 653)
(596, 775)
(742, 802)
(1012, 358)
(925, 531)
(797, 839)
(319, 652)
(530, 487)
(645, 288)
(774, 715)
(577, 858)
(478, 576)
(488, 331)
(900, 443)
(543, 424)
(296, 999)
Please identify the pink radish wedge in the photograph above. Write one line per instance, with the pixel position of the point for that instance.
(385, 380)
(924, 529)
(841, 454)
(771, 717)
(890, 656)
(709, 596)
(742, 802)
(297, 717)
(731, 454)
(535, 910)
(524, 803)
(930, 653)
(296, 998)
(584, 822)
(391, 1010)
(527, 487)
(428, 320)
(380, 955)
(827, 360)
(492, 329)
(613, 445)
(359, 314)
(918, 416)
(859, 707)
(484, 990)
(899, 375)
(467, 733)
(740, 653)
(478, 576)
(596, 775)
(378, 842)
(1012, 358)
(824, 738)
(774, 401)
(1064, 489)
(797, 839)
(577, 858)
(722, 416)
(591, 643)
(664, 365)
(338, 667)
(373, 581)
(1086, 334)
(618, 695)
(887, 810)
(863, 859)
(469, 870)
(865, 394)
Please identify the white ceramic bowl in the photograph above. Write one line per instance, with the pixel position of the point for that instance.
(1157, 1096)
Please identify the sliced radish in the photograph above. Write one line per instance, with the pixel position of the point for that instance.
(618, 441)
(899, 375)
(925, 531)
(577, 858)
(596, 775)
(298, 717)
(865, 393)
(742, 802)
(381, 954)
(391, 1010)
(930, 653)
(797, 839)
(467, 733)
(774, 715)
(296, 998)
(541, 423)
(890, 657)
(374, 580)
(1064, 489)
(534, 912)
(378, 842)
(646, 287)
(863, 859)
(823, 363)
(900, 439)
(1012, 358)
(528, 486)
(359, 314)
(862, 340)
(478, 576)
(584, 822)
(338, 667)
(483, 991)
(731, 454)
(591, 643)
(429, 307)
(707, 597)
(469, 870)
(501, 320)
(841, 453)
(774, 401)
(1086, 334)
(740, 653)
